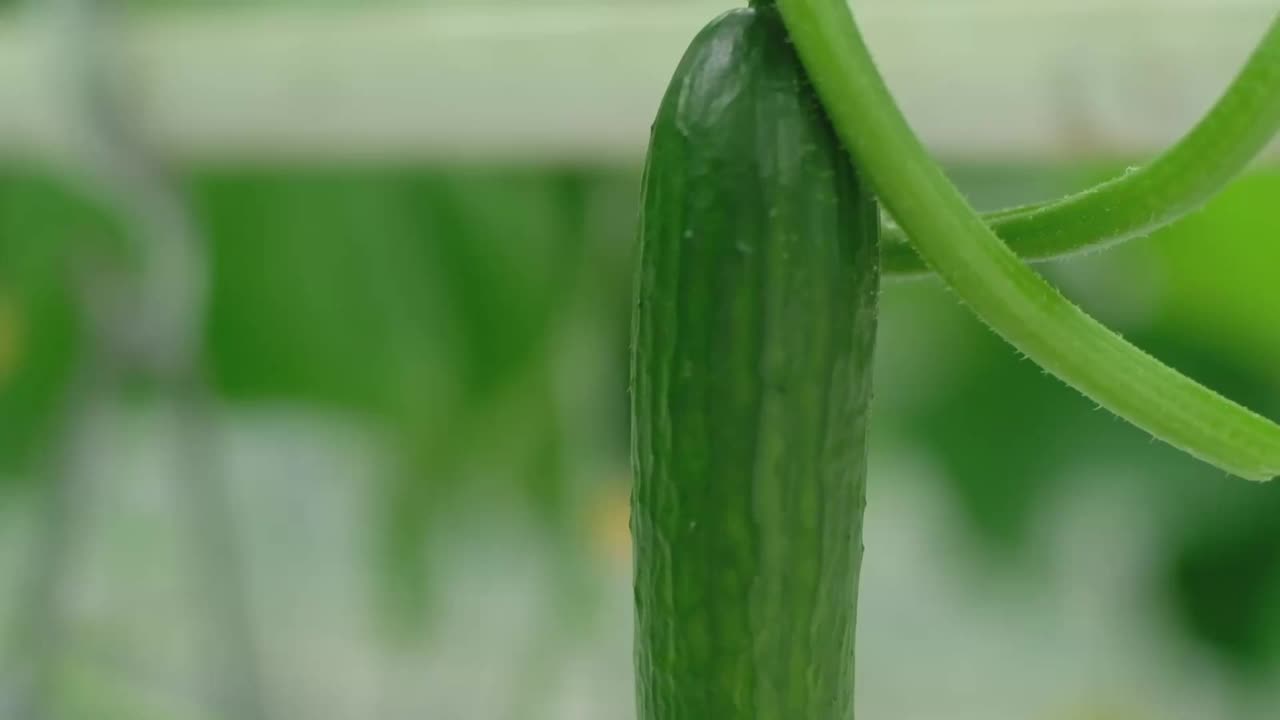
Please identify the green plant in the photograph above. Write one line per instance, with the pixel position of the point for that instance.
(676, 407)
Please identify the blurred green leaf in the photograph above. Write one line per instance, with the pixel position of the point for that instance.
(1224, 579)
(40, 221)
(423, 300)
(1220, 271)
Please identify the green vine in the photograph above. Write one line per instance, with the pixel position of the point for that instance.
(1017, 303)
(1181, 180)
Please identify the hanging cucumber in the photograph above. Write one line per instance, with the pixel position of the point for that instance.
(754, 328)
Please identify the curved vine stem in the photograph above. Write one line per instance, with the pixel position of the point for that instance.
(1016, 302)
(1178, 182)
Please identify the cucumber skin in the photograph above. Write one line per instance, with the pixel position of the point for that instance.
(753, 333)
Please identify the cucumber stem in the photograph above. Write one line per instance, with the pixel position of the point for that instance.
(1017, 303)
(1137, 203)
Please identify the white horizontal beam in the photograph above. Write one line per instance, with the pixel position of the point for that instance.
(1013, 80)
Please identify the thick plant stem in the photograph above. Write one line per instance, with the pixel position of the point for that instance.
(1176, 183)
(1016, 302)
(159, 329)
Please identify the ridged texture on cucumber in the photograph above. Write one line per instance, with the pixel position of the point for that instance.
(754, 329)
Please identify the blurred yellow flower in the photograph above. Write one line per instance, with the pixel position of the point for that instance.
(611, 516)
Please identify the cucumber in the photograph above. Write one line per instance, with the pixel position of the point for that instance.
(752, 340)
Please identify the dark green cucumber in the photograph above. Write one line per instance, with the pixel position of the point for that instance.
(754, 329)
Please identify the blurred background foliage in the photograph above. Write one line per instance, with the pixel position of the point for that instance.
(476, 319)
(431, 302)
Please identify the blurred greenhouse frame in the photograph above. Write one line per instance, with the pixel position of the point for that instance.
(313, 325)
